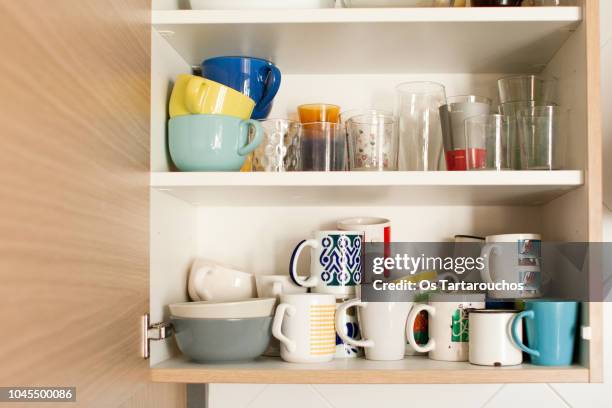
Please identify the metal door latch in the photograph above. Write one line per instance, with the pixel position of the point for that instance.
(155, 331)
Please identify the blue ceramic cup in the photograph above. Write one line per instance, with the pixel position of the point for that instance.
(211, 142)
(551, 331)
(257, 78)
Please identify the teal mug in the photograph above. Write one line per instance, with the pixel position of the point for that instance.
(211, 142)
(551, 331)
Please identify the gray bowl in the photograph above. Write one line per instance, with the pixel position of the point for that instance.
(218, 340)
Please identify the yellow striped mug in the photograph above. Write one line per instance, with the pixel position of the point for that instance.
(304, 324)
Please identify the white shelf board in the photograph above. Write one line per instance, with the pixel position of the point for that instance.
(415, 370)
(367, 188)
(383, 40)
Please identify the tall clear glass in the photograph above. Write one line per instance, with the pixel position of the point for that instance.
(420, 130)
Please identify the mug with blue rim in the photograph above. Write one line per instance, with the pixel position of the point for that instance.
(257, 78)
(551, 331)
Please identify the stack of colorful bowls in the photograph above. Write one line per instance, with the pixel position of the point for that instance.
(212, 124)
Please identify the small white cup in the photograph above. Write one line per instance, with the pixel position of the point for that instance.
(276, 285)
(210, 281)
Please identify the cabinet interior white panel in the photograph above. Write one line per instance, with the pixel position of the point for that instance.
(172, 250)
(166, 64)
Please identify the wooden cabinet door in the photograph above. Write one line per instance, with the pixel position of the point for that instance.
(74, 199)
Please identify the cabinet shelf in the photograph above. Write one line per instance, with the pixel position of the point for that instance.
(406, 40)
(412, 370)
(367, 188)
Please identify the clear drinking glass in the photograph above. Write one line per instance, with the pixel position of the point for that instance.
(372, 142)
(510, 109)
(453, 116)
(542, 137)
(527, 88)
(420, 131)
(280, 149)
(489, 142)
(322, 147)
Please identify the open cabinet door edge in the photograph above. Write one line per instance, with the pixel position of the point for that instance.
(74, 194)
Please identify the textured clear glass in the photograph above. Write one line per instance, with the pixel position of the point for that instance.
(420, 131)
(279, 150)
(372, 141)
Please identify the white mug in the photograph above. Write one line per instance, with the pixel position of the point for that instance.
(448, 325)
(335, 262)
(514, 259)
(374, 229)
(382, 325)
(209, 280)
(276, 285)
(491, 341)
(304, 324)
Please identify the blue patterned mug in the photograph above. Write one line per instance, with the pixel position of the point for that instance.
(335, 262)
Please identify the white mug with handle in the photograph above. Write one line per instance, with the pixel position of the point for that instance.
(304, 324)
(448, 325)
(514, 259)
(382, 325)
(208, 280)
(335, 262)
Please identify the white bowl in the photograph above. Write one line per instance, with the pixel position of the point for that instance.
(260, 4)
(224, 310)
(208, 280)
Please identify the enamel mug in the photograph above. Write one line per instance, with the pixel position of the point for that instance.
(491, 342)
(514, 259)
(551, 331)
(382, 325)
(335, 262)
(304, 324)
(448, 325)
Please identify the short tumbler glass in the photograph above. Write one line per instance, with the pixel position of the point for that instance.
(542, 137)
(372, 141)
(489, 142)
(322, 147)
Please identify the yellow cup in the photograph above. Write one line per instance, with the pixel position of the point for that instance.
(196, 95)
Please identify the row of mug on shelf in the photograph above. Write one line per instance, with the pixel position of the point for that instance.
(318, 327)
(529, 133)
(314, 4)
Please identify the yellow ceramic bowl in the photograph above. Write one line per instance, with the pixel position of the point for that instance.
(196, 95)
